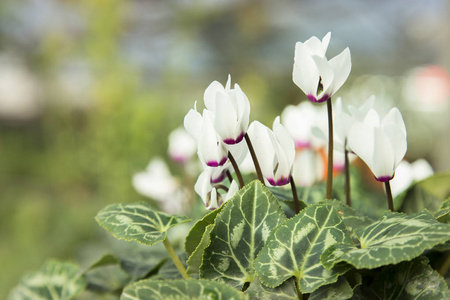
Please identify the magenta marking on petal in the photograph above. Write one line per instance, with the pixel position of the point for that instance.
(312, 98)
(218, 179)
(229, 141)
(212, 163)
(271, 181)
(384, 178)
(223, 161)
(324, 98)
(240, 138)
(283, 180)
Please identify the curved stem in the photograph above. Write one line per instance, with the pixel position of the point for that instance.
(347, 176)
(236, 170)
(330, 150)
(176, 260)
(295, 196)
(254, 158)
(387, 185)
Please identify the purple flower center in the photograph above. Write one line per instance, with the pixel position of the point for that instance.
(215, 163)
(231, 141)
(218, 179)
(282, 181)
(384, 178)
(313, 98)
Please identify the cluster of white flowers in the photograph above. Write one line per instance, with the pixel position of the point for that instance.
(295, 147)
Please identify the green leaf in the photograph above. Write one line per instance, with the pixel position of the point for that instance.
(239, 233)
(190, 289)
(427, 194)
(139, 260)
(286, 291)
(137, 222)
(410, 280)
(105, 260)
(195, 260)
(196, 233)
(352, 218)
(443, 214)
(107, 278)
(169, 271)
(55, 280)
(396, 237)
(340, 290)
(294, 248)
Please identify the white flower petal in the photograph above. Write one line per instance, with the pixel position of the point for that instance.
(232, 190)
(210, 94)
(382, 164)
(341, 66)
(305, 73)
(193, 124)
(260, 139)
(327, 76)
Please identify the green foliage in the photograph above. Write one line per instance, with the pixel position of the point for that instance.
(293, 249)
(240, 231)
(180, 290)
(393, 239)
(55, 280)
(137, 222)
(250, 249)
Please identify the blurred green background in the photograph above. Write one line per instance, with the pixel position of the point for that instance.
(89, 91)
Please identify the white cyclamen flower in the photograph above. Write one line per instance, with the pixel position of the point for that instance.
(181, 145)
(381, 144)
(312, 69)
(300, 119)
(209, 193)
(343, 120)
(408, 173)
(275, 151)
(211, 149)
(230, 110)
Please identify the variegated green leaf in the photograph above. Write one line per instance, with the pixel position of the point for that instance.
(137, 222)
(286, 291)
(410, 280)
(352, 218)
(239, 233)
(395, 238)
(443, 214)
(190, 289)
(196, 233)
(293, 249)
(195, 260)
(340, 290)
(55, 280)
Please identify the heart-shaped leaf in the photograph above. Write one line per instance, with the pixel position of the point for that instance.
(55, 280)
(137, 222)
(239, 233)
(395, 238)
(189, 289)
(293, 249)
